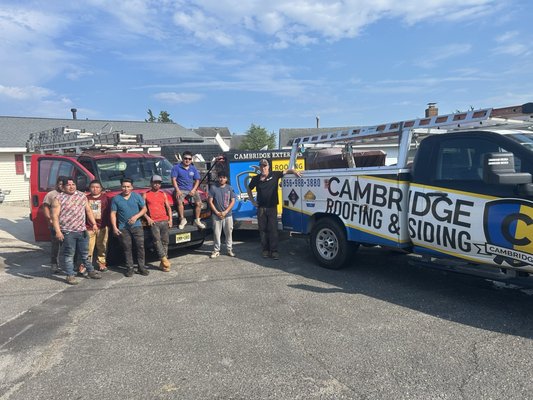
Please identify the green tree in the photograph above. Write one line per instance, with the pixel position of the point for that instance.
(151, 116)
(164, 117)
(257, 137)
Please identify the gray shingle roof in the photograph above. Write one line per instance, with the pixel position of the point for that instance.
(208, 131)
(14, 131)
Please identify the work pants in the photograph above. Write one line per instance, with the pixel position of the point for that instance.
(128, 236)
(267, 220)
(98, 239)
(160, 237)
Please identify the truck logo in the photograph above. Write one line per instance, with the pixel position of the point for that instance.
(508, 228)
(293, 197)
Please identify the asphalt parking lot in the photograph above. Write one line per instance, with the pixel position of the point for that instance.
(254, 328)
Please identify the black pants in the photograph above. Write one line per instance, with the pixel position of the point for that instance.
(128, 236)
(267, 220)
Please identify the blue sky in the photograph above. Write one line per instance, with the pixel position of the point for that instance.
(275, 63)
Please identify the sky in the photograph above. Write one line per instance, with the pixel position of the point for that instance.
(273, 63)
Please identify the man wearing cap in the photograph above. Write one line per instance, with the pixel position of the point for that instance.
(159, 218)
(266, 183)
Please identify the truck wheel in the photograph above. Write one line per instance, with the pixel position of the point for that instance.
(329, 244)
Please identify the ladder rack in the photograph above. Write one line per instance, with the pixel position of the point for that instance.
(65, 139)
(475, 118)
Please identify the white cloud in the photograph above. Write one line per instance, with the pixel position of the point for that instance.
(24, 93)
(509, 44)
(173, 97)
(442, 53)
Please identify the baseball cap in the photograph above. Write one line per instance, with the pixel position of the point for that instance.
(263, 161)
(156, 178)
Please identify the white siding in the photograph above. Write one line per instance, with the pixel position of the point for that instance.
(9, 180)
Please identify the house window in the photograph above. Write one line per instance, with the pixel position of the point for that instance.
(27, 165)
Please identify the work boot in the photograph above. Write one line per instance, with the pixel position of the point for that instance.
(129, 272)
(165, 262)
(266, 254)
(275, 255)
(199, 223)
(94, 275)
(163, 268)
(143, 271)
(71, 280)
(55, 269)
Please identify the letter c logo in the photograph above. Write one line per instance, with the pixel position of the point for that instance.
(507, 221)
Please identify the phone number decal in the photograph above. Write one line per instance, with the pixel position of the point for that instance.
(301, 182)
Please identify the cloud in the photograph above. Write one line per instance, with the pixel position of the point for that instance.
(509, 44)
(173, 97)
(24, 93)
(442, 53)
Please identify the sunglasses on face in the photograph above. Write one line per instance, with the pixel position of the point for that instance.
(187, 158)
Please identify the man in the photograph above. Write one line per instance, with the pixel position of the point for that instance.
(266, 184)
(70, 210)
(186, 179)
(159, 218)
(99, 204)
(47, 207)
(126, 210)
(221, 200)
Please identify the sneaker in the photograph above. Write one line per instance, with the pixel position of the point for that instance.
(54, 269)
(182, 224)
(143, 271)
(214, 254)
(275, 255)
(94, 275)
(231, 253)
(71, 280)
(266, 254)
(129, 272)
(102, 267)
(199, 223)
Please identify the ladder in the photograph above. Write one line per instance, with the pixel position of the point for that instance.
(66, 140)
(475, 118)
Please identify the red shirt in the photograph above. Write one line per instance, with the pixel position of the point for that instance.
(155, 203)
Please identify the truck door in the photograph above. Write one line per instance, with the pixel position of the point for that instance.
(45, 169)
(460, 213)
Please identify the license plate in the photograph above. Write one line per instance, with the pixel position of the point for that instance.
(183, 237)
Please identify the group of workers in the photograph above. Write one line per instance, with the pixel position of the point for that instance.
(80, 223)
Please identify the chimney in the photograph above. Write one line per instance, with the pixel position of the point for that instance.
(317, 122)
(432, 110)
(73, 111)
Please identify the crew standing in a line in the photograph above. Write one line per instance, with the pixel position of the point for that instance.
(159, 218)
(266, 184)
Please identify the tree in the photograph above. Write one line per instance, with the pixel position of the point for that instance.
(164, 117)
(257, 137)
(151, 116)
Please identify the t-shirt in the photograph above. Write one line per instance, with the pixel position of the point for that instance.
(72, 212)
(267, 190)
(221, 197)
(155, 202)
(127, 208)
(185, 177)
(100, 207)
(50, 196)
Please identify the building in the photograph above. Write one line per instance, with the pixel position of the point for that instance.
(14, 131)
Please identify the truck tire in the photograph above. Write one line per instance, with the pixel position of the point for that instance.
(329, 244)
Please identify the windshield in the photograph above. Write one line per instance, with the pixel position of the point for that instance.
(523, 138)
(140, 170)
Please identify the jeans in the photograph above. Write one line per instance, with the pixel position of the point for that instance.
(225, 224)
(75, 242)
(267, 220)
(160, 236)
(127, 238)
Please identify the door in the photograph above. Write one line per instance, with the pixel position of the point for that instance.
(45, 169)
(461, 214)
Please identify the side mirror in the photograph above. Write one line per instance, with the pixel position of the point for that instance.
(498, 169)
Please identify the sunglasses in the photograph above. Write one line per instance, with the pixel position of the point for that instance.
(187, 158)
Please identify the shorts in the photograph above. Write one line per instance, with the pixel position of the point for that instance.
(195, 199)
